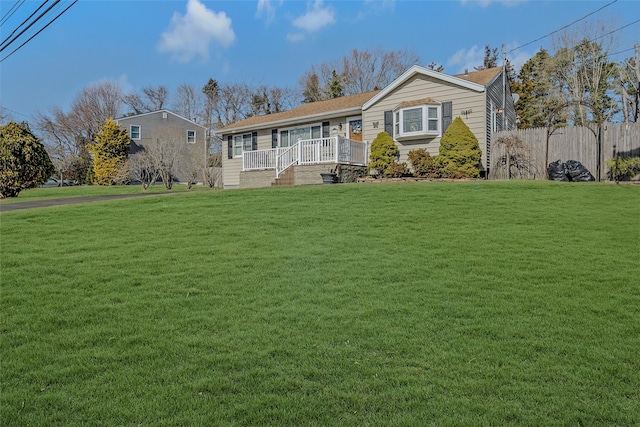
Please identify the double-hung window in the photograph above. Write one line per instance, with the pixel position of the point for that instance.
(134, 132)
(241, 143)
(191, 136)
(421, 120)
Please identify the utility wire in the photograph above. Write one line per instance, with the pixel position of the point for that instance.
(11, 11)
(6, 44)
(42, 29)
(566, 26)
(617, 29)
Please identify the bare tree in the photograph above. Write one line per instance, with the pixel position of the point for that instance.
(189, 102)
(213, 172)
(584, 72)
(630, 86)
(161, 158)
(67, 135)
(149, 99)
(360, 71)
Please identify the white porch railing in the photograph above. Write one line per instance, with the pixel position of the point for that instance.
(335, 149)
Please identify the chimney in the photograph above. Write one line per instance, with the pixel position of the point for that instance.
(466, 71)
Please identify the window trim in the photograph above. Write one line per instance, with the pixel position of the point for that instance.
(240, 141)
(289, 129)
(194, 136)
(139, 132)
(398, 122)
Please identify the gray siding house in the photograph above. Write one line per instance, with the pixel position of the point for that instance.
(416, 108)
(147, 128)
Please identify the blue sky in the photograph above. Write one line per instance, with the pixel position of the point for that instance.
(142, 43)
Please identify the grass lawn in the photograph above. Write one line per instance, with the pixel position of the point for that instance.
(445, 304)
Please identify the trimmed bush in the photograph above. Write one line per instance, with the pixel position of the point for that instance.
(625, 168)
(423, 164)
(396, 170)
(24, 162)
(460, 152)
(383, 153)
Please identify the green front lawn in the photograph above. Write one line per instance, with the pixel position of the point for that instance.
(462, 304)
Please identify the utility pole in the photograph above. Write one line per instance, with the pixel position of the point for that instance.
(504, 87)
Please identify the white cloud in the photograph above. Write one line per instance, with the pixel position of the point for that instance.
(295, 37)
(316, 18)
(376, 8)
(190, 35)
(267, 9)
(466, 59)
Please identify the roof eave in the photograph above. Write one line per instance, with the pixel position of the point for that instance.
(416, 69)
(291, 121)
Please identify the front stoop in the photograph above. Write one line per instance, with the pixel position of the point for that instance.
(287, 178)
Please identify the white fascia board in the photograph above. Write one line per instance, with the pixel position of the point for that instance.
(294, 120)
(416, 69)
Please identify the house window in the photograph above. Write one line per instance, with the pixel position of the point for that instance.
(191, 136)
(134, 132)
(290, 137)
(417, 121)
(241, 143)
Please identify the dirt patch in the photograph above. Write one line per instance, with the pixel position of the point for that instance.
(70, 201)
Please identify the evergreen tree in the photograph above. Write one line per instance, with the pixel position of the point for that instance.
(334, 87)
(536, 92)
(312, 91)
(109, 153)
(460, 152)
(490, 58)
(24, 163)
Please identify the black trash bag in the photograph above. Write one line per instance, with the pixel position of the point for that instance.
(557, 171)
(577, 172)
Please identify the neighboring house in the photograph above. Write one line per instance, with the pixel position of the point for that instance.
(416, 108)
(147, 128)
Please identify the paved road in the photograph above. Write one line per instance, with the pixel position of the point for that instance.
(69, 201)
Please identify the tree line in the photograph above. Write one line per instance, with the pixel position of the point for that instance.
(576, 83)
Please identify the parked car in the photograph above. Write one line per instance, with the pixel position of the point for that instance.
(54, 182)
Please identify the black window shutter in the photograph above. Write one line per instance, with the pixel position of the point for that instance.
(230, 147)
(388, 122)
(325, 129)
(447, 115)
(274, 138)
(254, 141)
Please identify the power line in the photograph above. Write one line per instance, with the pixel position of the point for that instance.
(562, 28)
(617, 29)
(11, 11)
(16, 112)
(6, 44)
(42, 29)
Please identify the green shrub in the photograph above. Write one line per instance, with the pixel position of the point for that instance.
(383, 153)
(460, 152)
(423, 164)
(24, 162)
(624, 168)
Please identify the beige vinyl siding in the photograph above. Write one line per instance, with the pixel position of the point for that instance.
(419, 87)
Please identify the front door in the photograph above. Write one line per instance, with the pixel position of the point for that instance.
(355, 129)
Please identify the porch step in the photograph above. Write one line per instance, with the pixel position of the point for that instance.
(287, 178)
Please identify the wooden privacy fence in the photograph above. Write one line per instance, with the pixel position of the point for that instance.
(524, 156)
